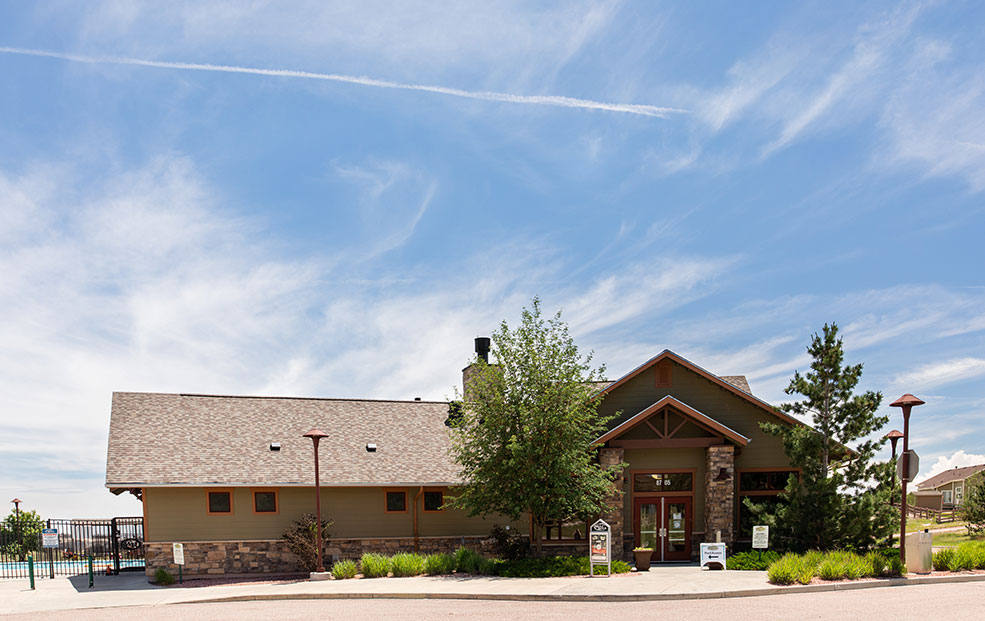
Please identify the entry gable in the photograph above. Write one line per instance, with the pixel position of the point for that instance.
(661, 365)
(657, 418)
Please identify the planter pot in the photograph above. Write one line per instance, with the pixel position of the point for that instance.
(642, 558)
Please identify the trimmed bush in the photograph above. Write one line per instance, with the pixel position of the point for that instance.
(831, 569)
(439, 564)
(343, 570)
(896, 566)
(553, 566)
(374, 565)
(302, 539)
(858, 567)
(750, 561)
(407, 564)
(963, 559)
(163, 577)
(468, 561)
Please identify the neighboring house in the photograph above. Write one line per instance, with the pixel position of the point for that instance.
(226, 475)
(950, 484)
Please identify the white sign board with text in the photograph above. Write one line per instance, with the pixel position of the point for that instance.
(600, 546)
(713, 554)
(179, 553)
(49, 537)
(760, 537)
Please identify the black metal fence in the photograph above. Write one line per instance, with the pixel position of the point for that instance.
(116, 545)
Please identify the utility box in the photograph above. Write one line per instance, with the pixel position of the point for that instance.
(920, 552)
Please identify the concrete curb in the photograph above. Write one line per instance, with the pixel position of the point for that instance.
(609, 597)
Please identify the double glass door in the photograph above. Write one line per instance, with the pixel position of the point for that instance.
(664, 524)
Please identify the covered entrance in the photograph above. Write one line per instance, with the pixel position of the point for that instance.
(664, 524)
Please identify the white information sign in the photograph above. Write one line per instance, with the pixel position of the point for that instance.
(179, 553)
(713, 555)
(49, 537)
(760, 537)
(600, 546)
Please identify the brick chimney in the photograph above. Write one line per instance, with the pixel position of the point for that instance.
(482, 351)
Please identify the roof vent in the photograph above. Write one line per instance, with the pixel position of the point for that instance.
(370, 448)
(275, 446)
(417, 398)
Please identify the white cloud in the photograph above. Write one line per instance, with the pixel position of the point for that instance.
(944, 463)
(932, 375)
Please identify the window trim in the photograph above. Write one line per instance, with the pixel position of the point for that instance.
(386, 505)
(441, 506)
(218, 490)
(632, 481)
(548, 542)
(265, 490)
(739, 494)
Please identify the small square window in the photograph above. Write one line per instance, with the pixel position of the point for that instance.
(265, 502)
(396, 502)
(434, 501)
(220, 502)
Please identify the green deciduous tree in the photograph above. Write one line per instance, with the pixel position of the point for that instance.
(523, 438)
(21, 535)
(841, 499)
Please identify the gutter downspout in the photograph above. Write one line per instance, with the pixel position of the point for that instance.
(417, 545)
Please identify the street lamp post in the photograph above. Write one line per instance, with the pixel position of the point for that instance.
(906, 402)
(17, 523)
(316, 435)
(894, 437)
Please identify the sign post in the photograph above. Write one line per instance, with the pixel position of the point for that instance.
(600, 547)
(179, 557)
(760, 539)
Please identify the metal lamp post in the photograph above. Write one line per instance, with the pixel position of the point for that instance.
(316, 435)
(894, 437)
(17, 522)
(906, 402)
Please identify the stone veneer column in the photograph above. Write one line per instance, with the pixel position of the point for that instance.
(613, 513)
(719, 495)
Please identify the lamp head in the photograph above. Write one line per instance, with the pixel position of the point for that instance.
(906, 400)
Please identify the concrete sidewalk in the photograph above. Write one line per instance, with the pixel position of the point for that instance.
(660, 583)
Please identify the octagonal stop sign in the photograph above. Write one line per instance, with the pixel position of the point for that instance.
(913, 467)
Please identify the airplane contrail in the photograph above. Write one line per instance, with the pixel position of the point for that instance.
(543, 100)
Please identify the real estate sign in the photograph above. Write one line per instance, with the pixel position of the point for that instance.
(600, 546)
(760, 537)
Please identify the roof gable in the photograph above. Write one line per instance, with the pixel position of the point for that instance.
(730, 386)
(687, 413)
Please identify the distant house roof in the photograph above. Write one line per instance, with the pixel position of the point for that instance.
(954, 474)
(739, 381)
(181, 439)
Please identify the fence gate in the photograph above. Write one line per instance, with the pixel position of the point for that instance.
(117, 544)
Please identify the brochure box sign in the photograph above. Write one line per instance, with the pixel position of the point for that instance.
(49, 537)
(179, 553)
(600, 546)
(760, 537)
(713, 555)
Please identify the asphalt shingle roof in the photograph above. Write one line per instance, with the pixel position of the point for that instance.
(175, 439)
(954, 474)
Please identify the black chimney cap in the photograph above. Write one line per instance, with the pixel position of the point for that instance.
(482, 347)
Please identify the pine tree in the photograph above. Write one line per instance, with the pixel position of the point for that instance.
(841, 498)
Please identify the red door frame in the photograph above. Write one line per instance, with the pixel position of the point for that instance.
(663, 504)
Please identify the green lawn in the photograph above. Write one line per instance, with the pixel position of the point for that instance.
(917, 524)
(955, 538)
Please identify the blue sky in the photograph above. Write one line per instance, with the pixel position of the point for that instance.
(333, 199)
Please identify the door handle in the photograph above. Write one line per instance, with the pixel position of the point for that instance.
(663, 532)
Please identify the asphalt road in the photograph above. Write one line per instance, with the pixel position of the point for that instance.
(953, 602)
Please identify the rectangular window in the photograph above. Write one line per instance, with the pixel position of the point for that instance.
(220, 502)
(958, 493)
(396, 502)
(568, 530)
(761, 487)
(434, 501)
(265, 502)
(663, 482)
(775, 481)
(946, 496)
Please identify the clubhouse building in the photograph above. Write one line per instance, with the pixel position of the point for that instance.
(226, 475)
